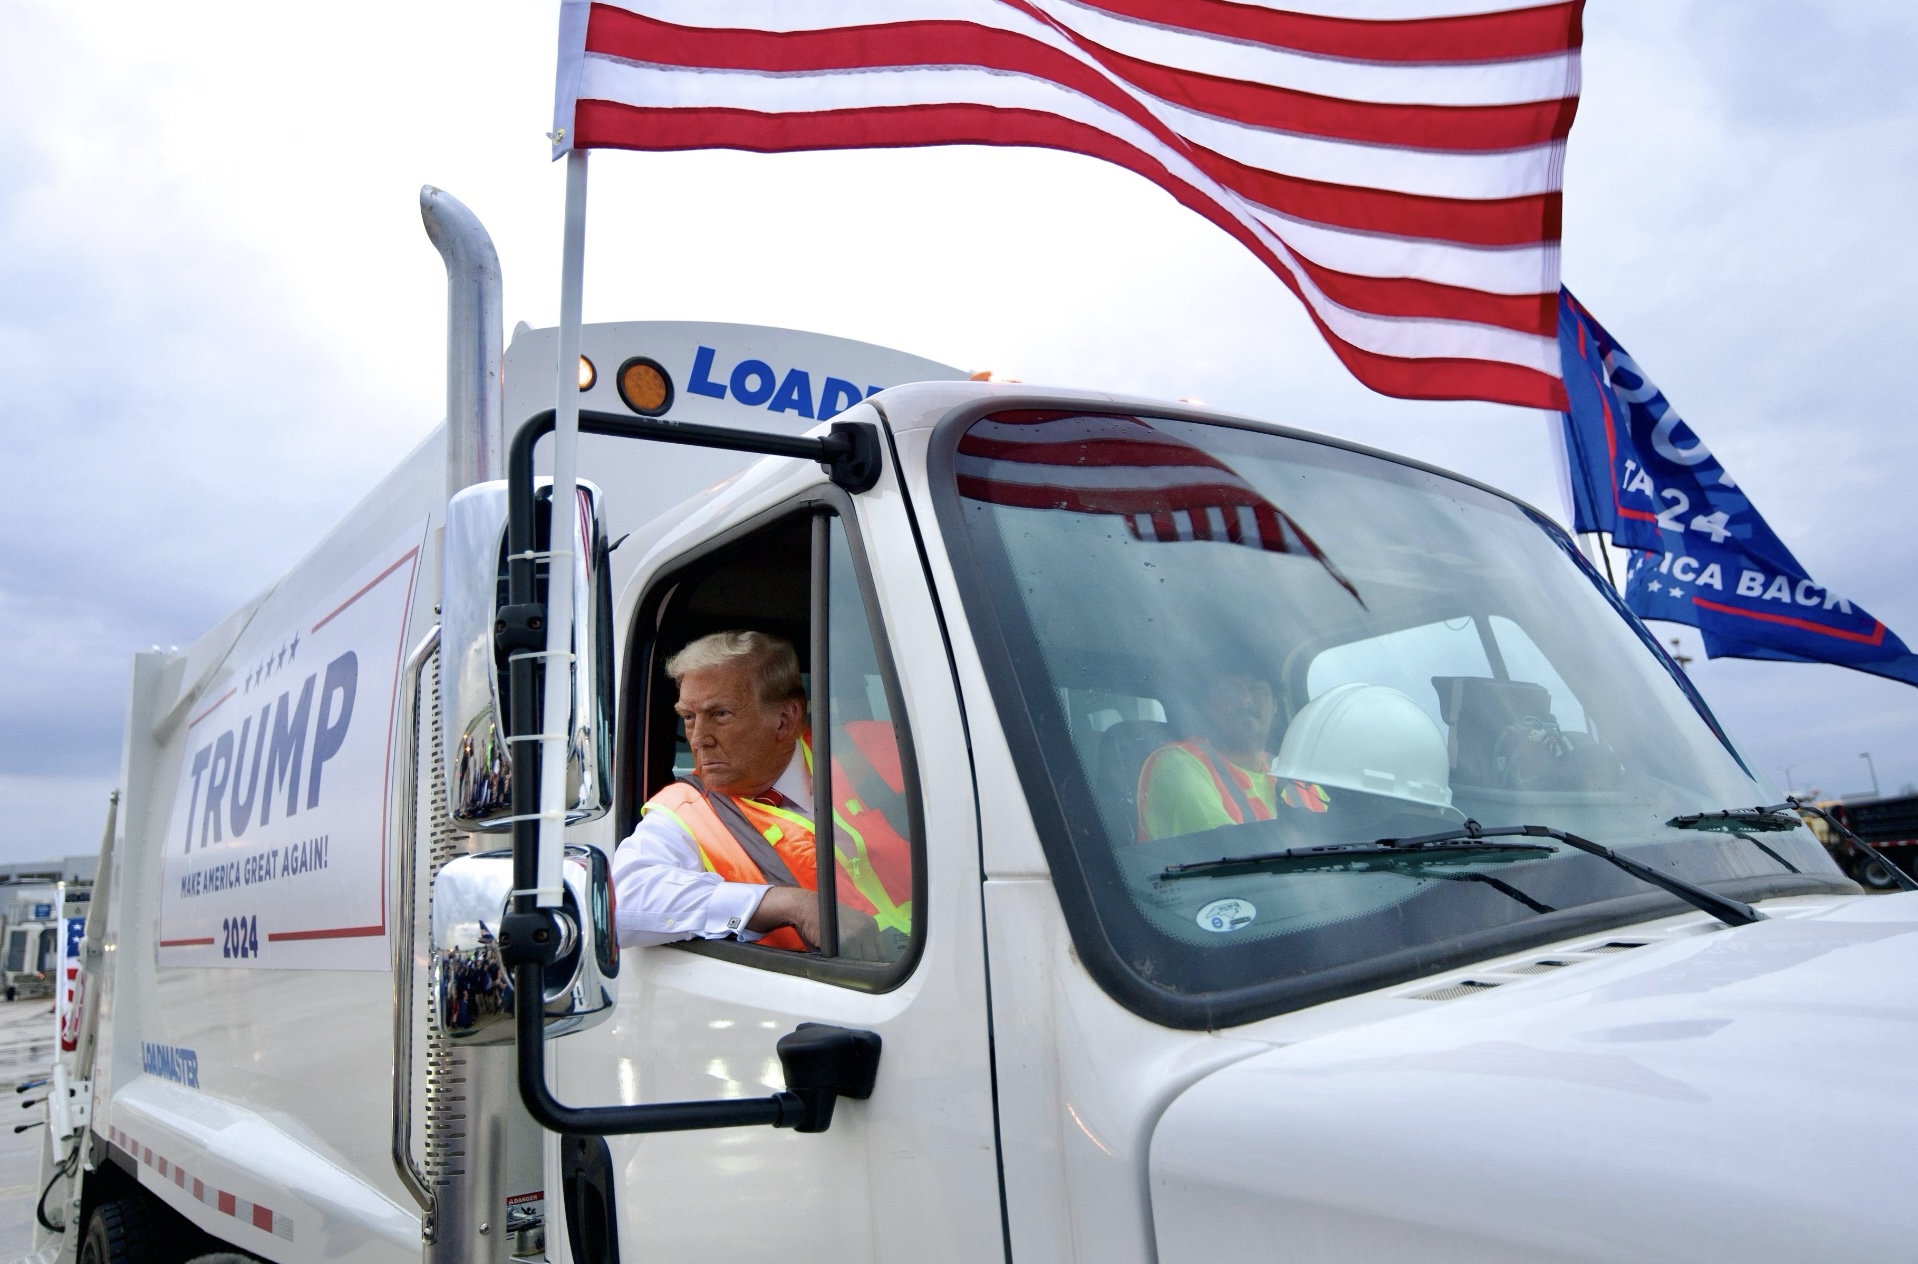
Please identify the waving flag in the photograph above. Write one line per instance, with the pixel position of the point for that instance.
(1401, 176)
(1165, 489)
(1701, 554)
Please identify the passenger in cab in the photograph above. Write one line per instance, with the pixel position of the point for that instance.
(728, 850)
(1221, 774)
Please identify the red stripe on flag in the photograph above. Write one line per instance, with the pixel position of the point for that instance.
(1404, 296)
(1526, 220)
(609, 125)
(1088, 452)
(616, 32)
(1504, 221)
(1477, 37)
(1875, 637)
(1161, 503)
(1445, 127)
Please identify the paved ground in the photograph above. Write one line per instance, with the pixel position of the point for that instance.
(26, 1053)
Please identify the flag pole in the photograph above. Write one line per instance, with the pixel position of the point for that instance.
(1590, 543)
(1595, 544)
(564, 542)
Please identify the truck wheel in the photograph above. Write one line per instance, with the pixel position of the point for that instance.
(121, 1232)
(11, 994)
(1874, 876)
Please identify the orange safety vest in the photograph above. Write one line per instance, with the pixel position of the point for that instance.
(875, 861)
(1234, 787)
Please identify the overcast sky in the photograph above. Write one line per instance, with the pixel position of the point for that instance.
(221, 322)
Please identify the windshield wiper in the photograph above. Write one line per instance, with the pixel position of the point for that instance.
(1455, 846)
(1794, 803)
(1743, 823)
(1736, 820)
(1468, 839)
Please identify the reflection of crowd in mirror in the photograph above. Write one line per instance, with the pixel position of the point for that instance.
(473, 984)
(482, 779)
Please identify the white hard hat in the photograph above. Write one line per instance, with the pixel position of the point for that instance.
(1371, 738)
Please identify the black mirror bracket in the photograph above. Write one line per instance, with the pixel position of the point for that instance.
(849, 452)
(821, 1063)
(854, 461)
(520, 628)
(536, 938)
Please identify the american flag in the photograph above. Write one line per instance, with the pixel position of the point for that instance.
(1163, 488)
(1401, 175)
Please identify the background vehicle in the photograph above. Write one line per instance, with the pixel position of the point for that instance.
(1889, 824)
(1098, 1040)
(32, 943)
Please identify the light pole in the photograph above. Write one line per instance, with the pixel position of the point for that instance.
(1866, 756)
(1789, 787)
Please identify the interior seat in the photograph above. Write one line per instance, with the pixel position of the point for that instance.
(1123, 750)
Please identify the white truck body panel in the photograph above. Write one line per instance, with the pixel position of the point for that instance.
(280, 1058)
(1646, 1105)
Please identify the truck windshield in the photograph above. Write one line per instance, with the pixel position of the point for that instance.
(1215, 642)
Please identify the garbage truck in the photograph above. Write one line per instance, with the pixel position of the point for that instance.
(1303, 855)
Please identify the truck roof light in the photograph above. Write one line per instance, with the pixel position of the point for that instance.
(587, 374)
(645, 386)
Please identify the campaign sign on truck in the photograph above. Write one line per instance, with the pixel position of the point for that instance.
(276, 853)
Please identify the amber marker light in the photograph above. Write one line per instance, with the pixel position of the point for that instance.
(645, 386)
(587, 374)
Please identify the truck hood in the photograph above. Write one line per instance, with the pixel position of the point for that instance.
(1741, 1094)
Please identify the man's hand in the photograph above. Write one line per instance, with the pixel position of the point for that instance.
(788, 906)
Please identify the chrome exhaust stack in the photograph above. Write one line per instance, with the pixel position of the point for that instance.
(479, 1177)
(475, 436)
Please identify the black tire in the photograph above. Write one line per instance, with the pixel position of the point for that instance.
(124, 1231)
(11, 994)
(1874, 875)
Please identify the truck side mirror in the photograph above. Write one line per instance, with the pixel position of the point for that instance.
(474, 700)
(472, 991)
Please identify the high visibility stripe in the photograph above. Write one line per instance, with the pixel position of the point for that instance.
(866, 882)
(856, 865)
(859, 867)
(1229, 801)
(680, 821)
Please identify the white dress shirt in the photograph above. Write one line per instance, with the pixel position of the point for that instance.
(665, 894)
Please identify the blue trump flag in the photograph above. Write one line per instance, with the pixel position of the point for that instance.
(1700, 552)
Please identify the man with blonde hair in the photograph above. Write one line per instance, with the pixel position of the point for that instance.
(728, 850)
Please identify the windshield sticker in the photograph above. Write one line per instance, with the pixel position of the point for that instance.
(1225, 916)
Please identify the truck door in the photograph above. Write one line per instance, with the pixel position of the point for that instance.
(911, 1173)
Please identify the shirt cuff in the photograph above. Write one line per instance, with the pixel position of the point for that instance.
(730, 907)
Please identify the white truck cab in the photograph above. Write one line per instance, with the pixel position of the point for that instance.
(1467, 964)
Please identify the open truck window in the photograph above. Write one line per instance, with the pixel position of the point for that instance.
(763, 580)
(1210, 643)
